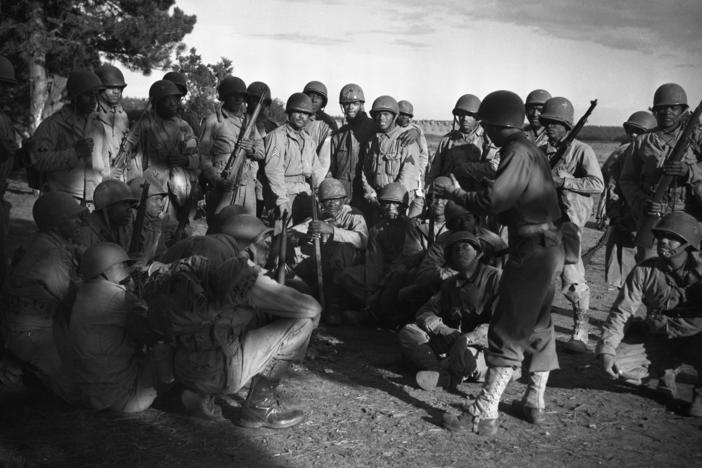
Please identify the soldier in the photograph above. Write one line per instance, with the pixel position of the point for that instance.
(101, 354)
(646, 163)
(68, 146)
(404, 120)
(110, 112)
(385, 159)
(466, 153)
(221, 136)
(346, 144)
(158, 229)
(259, 91)
(113, 218)
(534, 105)
(620, 250)
(190, 117)
(454, 322)
(525, 200)
(291, 162)
(253, 328)
(321, 125)
(8, 148)
(578, 178)
(38, 285)
(670, 288)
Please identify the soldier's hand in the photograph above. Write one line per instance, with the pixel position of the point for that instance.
(609, 365)
(654, 208)
(558, 181)
(246, 145)
(177, 160)
(432, 323)
(320, 227)
(84, 147)
(282, 208)
(408, 136)
(442, 188)
(676, 168)
(372, 200)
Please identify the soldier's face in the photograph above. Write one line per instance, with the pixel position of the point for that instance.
(262, 249)
(668, 246)
(298, 120)
(69, 228)
(317, 101)
(235, 103)
(331, 206)
(155, 204)
(384, 120)
(391, 210)
(463, 256)
(403, 120)
(86, 103)
(351, 109)
(112, 95)
(555, 130)
(119, 274)
(668, 116)
(533, 112)
(439, 206)
(120, 213)
(466, 122)
(167, 107)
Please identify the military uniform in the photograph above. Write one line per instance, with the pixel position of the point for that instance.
(98, 229)
(346, 145)
(115, 122)
(537, 135)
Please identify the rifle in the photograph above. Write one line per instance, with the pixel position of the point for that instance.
(122, 158)
(603, 241)
(317, 241)
(568, 140)
(283, 250)
(135, 245)
(235, 163)
(644, 237)
(432, 222)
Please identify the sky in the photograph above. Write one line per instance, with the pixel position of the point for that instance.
(431, 52)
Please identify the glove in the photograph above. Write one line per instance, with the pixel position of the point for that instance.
(84, 148)
(320, 227)
(676, 168)
(408, 137)
(654, 208)
(246, 145)
(177, 160)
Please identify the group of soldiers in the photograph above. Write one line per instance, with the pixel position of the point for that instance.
(118, 296)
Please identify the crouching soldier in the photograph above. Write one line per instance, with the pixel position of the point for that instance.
(112, 220)
(670, 286)
(234, 326)
(101, 355)
(454, 323)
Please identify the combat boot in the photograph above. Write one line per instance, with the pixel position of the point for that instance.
(695, 408)
(261, 409)
(533, 404)
(580, 298)
(481, 416)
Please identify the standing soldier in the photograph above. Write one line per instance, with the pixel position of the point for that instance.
(8, 148)
(67, 146)
(346, 144)
(465, 152)
(578, 178)
(646, 164)
(524, 198)
(181, 82)
(291, 162)
(404, 120)
(385, 159)
(321, 125)
(534, 105)
(258, 91)
(110, 112)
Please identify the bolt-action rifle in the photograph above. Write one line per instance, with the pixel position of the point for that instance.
(568, 140)
(282, 250)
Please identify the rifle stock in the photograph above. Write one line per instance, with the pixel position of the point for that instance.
(283, 250)
(568, 140)
(317, 241)
(135, 244)
(235, 163)
(644, 237)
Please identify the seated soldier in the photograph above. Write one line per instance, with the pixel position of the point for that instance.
(454, 322)
(39, 282)
(343, 235)
(112, 220)
(155, 230)
(233, 325)
(101, 355)
(670, 286)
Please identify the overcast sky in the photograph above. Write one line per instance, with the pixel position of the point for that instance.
(431, 52)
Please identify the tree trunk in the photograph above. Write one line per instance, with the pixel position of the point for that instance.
(37, 67)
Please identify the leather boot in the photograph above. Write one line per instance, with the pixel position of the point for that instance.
(262, 409)
(481, 416)
(533, 404)
(695, 408)
(578, 342)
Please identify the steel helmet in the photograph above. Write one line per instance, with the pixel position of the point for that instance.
(53, 207)
(460, 236)
(394, 192)
(669, 94)
(682, 225)
(136, 185)
(179, 80)
(316, 87)
(112, 191)
(467, 103)
(231, 85)
(331, 188)
(245, 228)
(180, 185)
(111, 76)
(558, 109)
(162, 88)
(351, 93)
(81, 82)
(406, 107)
(299, 102)
(502, 109)
(7, 71)
(100, 257)
(537, 97)
(641, 120)
(258, 89)
(385, 103)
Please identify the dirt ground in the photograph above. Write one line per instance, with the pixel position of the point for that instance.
(365, 410)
